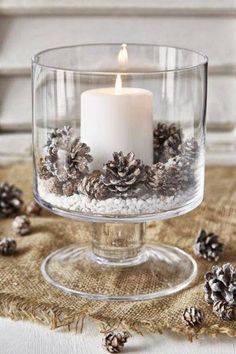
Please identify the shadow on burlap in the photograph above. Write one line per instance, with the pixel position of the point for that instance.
(25, 295)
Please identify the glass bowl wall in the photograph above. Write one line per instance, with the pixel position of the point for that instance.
(168, 178)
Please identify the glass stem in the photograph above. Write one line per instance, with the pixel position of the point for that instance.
(116, 242)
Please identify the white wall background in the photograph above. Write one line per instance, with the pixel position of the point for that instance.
(28, 26)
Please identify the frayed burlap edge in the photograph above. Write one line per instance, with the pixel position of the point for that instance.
(57, 317)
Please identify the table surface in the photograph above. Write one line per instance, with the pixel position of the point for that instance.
(23, 337)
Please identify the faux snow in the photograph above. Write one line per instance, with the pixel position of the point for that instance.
(145, 205)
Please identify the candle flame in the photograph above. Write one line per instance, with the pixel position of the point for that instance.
(118, 84)
(123, 56)
(123, 61)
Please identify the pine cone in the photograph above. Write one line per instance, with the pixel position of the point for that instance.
(77, 159)
(52, 185)
(43, 171)
(224, 311)
(68, 188)
(124, 175)
(114, 342)
(186, 172)
(192, 316)
(93, 187)
(33, 209)
(220, 284)
(66, 156)
(21, 225)
(163, 179)
(59, 138)
(190, 150)
(7, 246)
(10, 199)
(207, 246)
(167, 141)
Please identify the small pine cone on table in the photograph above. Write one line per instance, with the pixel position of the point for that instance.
(93, 187)
(207, 246)
(114, 341)
(10, 200)
(124, 175)
(190, 150)
(167, 139)
(33, 209)
(7, 246)
(21, 225)
(163, 179)
(220, 285)
(223, 310)
(192, 316)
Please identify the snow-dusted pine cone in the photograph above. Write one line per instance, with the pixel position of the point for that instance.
(93, 187)
(163, 179)
(207, 246)
(10, 199)
(192, 316)
(68, 188)
(7, 246)
(224, 311)
(42, 169)
(114, 341)
(220, 284)
(124, 175)
(167, 141)
(66, 157)
(59, 137)
(190, 150)
(77, 160)
(21, 225)
(52, 185)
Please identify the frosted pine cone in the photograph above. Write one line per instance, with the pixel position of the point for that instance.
(207, 246)
(78, 159)
(93, 187)
(114, 342)
(43, 169)
(186, 172)
(59, 138)
(124, 175)
(224, 311)
(7, 246)
(192, 316)
(10, 199)
(66, 156)
(68, 188)
(167, 141)
(220, 285)
(190, 150)
(21, 225)
(163, 179)
(52, 185)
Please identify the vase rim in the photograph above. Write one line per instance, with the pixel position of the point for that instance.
(203, 59)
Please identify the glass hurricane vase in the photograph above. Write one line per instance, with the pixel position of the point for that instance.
(118, 135)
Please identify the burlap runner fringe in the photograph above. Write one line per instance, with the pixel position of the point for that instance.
(25, 295)
(17, 308)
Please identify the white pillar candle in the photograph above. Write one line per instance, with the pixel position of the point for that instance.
(117, 120)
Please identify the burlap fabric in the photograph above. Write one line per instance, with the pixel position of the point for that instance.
(25, 295)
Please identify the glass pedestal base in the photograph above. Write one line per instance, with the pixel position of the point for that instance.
(156, 271)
